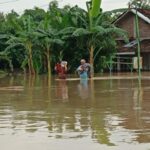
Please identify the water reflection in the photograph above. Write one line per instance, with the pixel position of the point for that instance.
(83, 88)
(137, 97)
(137, 106)
(62, 90)
(115, 115)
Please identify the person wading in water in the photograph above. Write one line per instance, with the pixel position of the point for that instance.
(61, 69)
(84, 70)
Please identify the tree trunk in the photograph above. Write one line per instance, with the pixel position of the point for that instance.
(91, 60)
(29, 65)
(30, 59)
(48, 61)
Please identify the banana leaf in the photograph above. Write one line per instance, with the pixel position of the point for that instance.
(95, 10)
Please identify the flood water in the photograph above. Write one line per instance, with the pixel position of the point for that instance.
(41, 114)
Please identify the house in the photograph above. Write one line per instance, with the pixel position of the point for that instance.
(129, 50)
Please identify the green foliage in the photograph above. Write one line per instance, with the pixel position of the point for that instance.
(116, 13)
(81, 32)
(143, 4)
(95, 10)
(38, 38)
(5, 58)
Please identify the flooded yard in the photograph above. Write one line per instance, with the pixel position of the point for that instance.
(41, 114)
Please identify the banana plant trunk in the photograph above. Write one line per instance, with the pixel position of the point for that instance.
(93, 7)
(30, 59)
(48, 61)
(91, 60)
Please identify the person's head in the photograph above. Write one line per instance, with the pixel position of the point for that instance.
(82, 61)
(64, 63)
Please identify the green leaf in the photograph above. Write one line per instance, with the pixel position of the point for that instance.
(3, 36)
(68, 30)
(81, 32)
(98, 29)
(95, 8)
(56, 41)
(13, 45)
(24, 63)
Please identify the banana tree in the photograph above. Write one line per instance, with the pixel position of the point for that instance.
(4, 55)
(93, 10)
(99, 33)
(24, 38)
(6, 58)
(141, 4)
(48, 38)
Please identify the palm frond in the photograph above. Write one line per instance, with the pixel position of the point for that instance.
(4, 36)
(81, 32)
(118, 32)
(41, 31)
(38, 34)
(95, 8)
(98, 29)
(68, 30)
(101, 18)
(24, 63)
(56, 41)
(3, 56)
(13, 45)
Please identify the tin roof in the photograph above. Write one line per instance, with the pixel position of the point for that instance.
(142, 13)
(132, 43)
(145, 12)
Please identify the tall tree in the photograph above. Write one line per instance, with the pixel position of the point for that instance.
(143, 4)
(48, 37)
(99, 33)
(24, 38)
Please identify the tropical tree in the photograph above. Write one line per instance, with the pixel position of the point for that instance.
(67, 20)
(37, 14)
(99, 34)
(24, 38)
(6, 29)
(34, 39)
(143, 4)
(48, 38)
(7, 60)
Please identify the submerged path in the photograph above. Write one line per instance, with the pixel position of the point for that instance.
(110, 78)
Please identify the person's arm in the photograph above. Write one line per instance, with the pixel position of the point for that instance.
(80, 69)
(65, 68)
(55, 68)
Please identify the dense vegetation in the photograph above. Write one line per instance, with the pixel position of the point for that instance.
(142, 4)
(136, 4)
(37, 39)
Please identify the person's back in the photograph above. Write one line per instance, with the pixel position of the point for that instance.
(61, 69)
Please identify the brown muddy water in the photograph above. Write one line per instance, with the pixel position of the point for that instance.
(41, 114)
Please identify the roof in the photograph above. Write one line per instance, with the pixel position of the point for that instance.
(144, 14)
(134, 42)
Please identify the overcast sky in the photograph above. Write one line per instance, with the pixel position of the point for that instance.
(20, 5)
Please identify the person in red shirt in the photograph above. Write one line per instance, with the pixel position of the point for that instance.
(61, 69)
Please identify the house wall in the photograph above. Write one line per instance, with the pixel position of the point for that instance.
(128, 24)
(144, 28)
(146, 61)
(145, 46)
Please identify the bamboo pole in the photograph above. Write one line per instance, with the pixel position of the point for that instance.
(138, 42)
